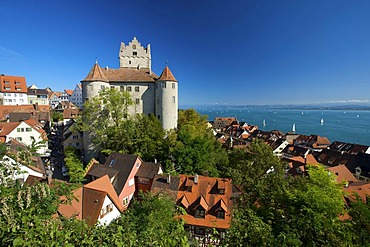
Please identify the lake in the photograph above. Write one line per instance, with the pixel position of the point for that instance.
(352, 126)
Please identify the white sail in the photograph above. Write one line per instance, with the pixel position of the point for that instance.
(293, 128)
(264, 122)
(322, 121)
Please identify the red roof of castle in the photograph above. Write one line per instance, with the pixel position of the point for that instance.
(167, 75)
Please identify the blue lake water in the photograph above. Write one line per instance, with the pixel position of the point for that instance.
(339, 125)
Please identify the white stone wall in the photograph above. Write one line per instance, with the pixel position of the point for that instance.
(134, 55)
(109, 216)
(92, 89)
(15, 99)
(167, 103)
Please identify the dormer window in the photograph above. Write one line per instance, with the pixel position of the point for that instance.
(221, 191)
(200, 212)
(220, 214)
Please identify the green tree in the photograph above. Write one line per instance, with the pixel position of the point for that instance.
(152, 220)
(360, 222)
(56, 116)
(195, 149)
(286, 211)
(106, 117)
(74, 164)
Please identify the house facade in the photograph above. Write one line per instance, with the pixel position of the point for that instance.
(38, 96)
(76, 97)
(13, 90)
(26, 132)
(121, 170)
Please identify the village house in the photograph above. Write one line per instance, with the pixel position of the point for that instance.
(38, 96)
(27, 132)
(73, 137)
(121, 170)
(76, 96)
(13, 90)
(207, 201)
(95, 202)
(22, 172)
(145, 175)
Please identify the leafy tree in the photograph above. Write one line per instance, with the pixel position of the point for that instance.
(286, 211)
(360, 221)
(74, 165)
(112, 129)
(195, 149)
(150, 221)
(56, 116)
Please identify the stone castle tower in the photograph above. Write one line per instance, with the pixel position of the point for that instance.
(134, 55)
(151, 94)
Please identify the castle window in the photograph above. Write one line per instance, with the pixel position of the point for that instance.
(159, 116)
(121, 88)
(112, 87)
(129, 88)
(134, 47)
(129, 62)
(6, 82)
(102, 87)
(137, 101)
(163, 85)
(137, 89)
(173, 99)
(173, 85)
(134, 53)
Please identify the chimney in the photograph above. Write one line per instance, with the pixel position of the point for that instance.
(168, 178)
(36, 106)
(196, 178)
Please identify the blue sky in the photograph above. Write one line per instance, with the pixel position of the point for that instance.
(224, 52)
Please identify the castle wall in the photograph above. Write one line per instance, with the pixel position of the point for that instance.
(134, 55)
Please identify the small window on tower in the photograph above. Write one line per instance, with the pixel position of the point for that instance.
(137, 101)
(173, 85)
(137, 89)
(163, 85)
(129, 62)
(134, 53)
(129, 88)
(173, 99)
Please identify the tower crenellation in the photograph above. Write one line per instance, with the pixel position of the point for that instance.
(134, 55)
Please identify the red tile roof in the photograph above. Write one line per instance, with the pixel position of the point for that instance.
(13, 84)
(205, 194)
(96, 74)
(74, 208)
(342, 173)
(5, 110)
(69, 92)
(167, 75)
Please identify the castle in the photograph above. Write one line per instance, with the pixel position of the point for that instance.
(151, 94)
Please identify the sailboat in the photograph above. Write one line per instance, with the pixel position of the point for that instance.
(322, 121)
(264, 123)
(293, 128)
